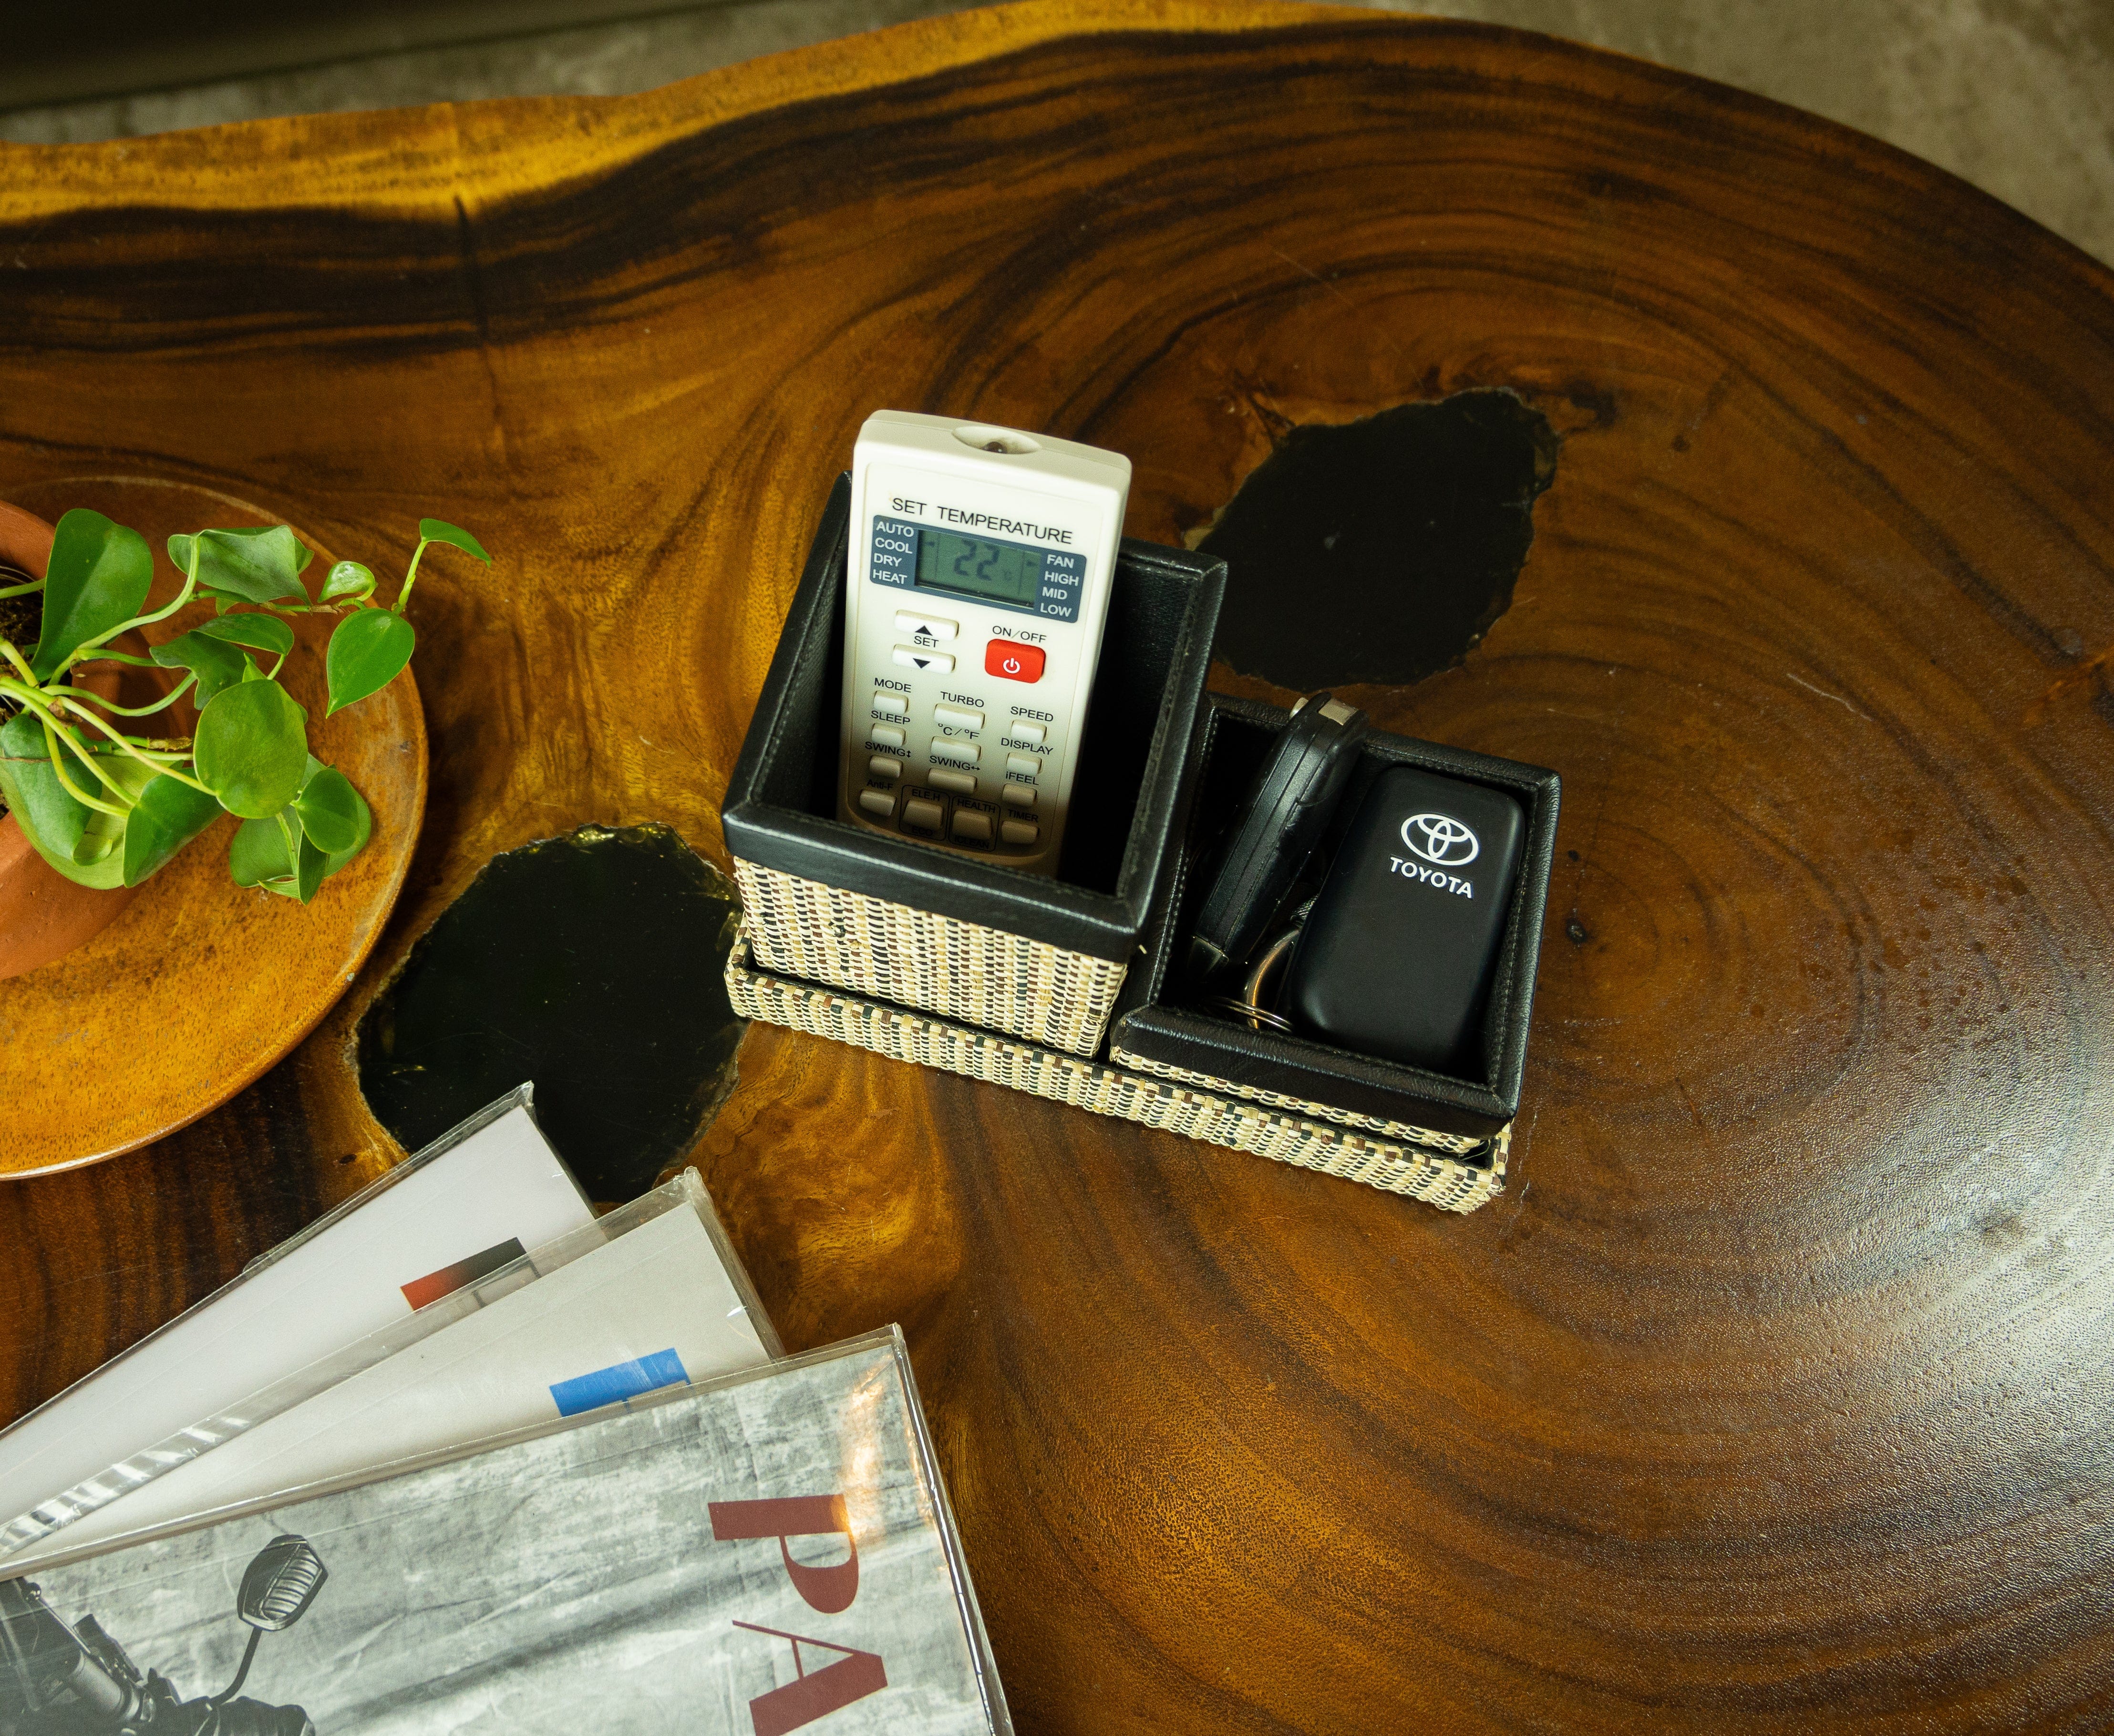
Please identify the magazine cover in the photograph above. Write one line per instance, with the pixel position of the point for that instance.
(474, 1199)
(649, 1295)
(768, 1553)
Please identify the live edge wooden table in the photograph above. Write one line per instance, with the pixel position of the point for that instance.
(1774, 1393)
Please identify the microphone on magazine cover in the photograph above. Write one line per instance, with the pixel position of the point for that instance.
(57, 1680)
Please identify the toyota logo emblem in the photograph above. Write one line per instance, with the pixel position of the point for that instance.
(1440, 838)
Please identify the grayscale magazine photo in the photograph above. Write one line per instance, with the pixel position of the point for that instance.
(765, 1553)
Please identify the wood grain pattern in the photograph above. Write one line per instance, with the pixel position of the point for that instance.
(1773, 1396)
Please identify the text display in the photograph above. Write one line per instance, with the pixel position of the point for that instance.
(1048, 582)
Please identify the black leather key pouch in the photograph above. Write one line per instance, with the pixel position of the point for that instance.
(1396, 958)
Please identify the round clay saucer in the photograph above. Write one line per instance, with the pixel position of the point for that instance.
(199, 985)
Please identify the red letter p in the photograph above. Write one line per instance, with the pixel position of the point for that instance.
(829, 1589)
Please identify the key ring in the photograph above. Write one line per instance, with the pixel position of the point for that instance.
(1248, 1004)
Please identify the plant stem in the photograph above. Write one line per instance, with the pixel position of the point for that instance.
(66, 784)
(183, 596)
(35, 704)
(15, 657)
(22, 590)
(410, 576)
(174, 694)
(163, 763)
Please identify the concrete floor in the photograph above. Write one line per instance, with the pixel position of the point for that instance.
(2017, 96)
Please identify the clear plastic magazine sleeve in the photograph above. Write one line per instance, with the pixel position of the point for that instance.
(460, 1205)
(763, 1552)
(686, 1192)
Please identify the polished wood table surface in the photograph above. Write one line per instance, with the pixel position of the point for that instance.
(1774, 1393)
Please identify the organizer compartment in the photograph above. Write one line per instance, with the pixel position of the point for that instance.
(881, 915)
(1156, 1030)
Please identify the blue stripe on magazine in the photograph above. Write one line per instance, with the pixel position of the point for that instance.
(618, 1381)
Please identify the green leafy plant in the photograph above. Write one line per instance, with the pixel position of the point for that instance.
(108, 809)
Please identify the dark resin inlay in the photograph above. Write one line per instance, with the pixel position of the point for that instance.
(1382, 550)
(590, 963)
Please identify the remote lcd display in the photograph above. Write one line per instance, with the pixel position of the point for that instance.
(1005, 572)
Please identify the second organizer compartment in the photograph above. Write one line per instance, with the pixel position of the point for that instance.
(1160, 1029)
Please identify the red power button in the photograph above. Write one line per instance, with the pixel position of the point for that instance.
(1015, 662)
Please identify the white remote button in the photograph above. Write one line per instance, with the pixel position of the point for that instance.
(1019, 796)
(968, 825)
(890, 769)
(979, 569)
(960, 782)
(1019, 832)
(883, 735)
(1023, 764)
(881, 802)
(927, 626)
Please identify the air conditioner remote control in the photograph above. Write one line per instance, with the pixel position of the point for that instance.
(980, 566)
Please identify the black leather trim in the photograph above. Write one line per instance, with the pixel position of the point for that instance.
(1144, 726)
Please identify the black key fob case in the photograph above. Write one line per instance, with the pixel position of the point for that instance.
(1397, 957)
(1281, 819)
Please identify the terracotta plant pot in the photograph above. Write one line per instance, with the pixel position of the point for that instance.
(43, 914)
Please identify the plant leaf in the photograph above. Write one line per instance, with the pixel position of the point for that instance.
(362, 817)
(363, 830)
(328, 810)
(259, 632)
(97, 580)
(169, 815)
(436, 530)
(260, 563)
(310, 870)
(252, 748)
(258, 854)
(218, 664)
(80, 842)
(366, 652)
(68, 834)
(55, 822)
(347, 582)
(258, 858)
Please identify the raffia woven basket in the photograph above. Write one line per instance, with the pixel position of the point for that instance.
(961, 971)
(1452, 1171)
(1023, 981)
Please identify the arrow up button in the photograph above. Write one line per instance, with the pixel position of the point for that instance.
(926, 626)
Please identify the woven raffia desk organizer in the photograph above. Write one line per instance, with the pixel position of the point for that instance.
(928, 957)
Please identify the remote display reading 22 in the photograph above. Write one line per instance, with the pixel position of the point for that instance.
(1006, 571)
